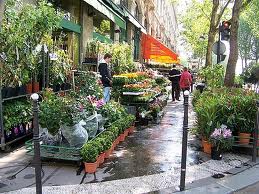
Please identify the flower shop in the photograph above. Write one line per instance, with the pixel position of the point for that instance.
(75, 123)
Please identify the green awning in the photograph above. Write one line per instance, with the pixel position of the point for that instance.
(107, 11)
(71, 26)
(101, 38)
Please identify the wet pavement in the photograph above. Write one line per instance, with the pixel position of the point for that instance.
(148, 160)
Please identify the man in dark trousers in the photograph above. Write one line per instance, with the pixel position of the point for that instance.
(174, 77)
(105, 72)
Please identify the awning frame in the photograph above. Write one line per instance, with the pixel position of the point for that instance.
(108, 12)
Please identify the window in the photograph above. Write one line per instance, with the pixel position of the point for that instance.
(124, 3)
(136, 14)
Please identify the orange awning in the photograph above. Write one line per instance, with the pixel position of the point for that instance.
(156, 51)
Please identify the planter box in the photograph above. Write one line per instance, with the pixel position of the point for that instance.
(108, 153)
(101, 158)
(91, 167)
(122, 137)
(131, 129)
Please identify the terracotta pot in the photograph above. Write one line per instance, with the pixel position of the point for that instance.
(91, 167)
(244, 138)
(108, 153)
(206, 146)
(101, 158)
(29, 88)
(122, 137)
(126, 132)
(216, 154)
(36, 86)
(131, 129)
(117, 140)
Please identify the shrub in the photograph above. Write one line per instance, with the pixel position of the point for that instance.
(89, 152)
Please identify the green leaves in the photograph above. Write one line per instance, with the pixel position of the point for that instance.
(23, 28)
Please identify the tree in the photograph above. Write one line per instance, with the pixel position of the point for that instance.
(203, 18)
(239, 5)
(195, 21)
(245, 41)
(2, 5)
(216, 15)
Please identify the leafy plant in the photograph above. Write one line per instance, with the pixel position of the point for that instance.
(23, 28)
(106, 143)
(222, 138)
(213, 76)
(16, 112)
(89, 152)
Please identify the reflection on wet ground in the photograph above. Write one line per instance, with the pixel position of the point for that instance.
(151, 150)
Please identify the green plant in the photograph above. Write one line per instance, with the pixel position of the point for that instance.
(106, 143)
(87, 84)
(213, 75)
(98, 144)
(23, 27)
(89, 152)
(112, 111)
(16, 112)
(50, 114)
(221, 138)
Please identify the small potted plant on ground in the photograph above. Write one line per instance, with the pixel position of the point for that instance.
(221, 140)
(99, 145)
(89, 154)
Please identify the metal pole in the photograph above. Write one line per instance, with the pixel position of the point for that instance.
(256, 134)
(184, 141)
(36, 140)
(218, 47)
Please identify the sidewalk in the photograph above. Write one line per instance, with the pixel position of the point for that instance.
(148, 161)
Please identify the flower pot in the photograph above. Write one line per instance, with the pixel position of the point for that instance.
(131, 129)
(21, 90)
(216, 154)
(117, 141)
(244, 138)
(101, 158)
(126, 132)
(56, 87)
(11, 92)
(108, 153)
(91, 167)
(36, 86)
(122, 137)
(29, 88)
(206, 146)
(4, 92)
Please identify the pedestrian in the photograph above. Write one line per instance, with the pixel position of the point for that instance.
(192, 80)
(185, 80)
(105, 72)
(174, 77)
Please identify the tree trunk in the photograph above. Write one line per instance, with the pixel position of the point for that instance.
(233, 55)
(2, 5)
(242, 60)
(212, 32)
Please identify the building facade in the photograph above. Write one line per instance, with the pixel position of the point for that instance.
(110, 21)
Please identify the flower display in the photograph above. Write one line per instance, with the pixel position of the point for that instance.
(222, 138)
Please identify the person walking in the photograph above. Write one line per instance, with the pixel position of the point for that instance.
(174, 77)
(105, 72)
(185, 80)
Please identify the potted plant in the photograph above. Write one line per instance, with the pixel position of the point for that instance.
(99, 145)
(89, 154)
(221, 140)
